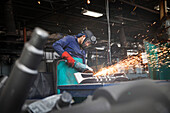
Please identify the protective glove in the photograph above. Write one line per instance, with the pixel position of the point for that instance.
(82, 67)
(69, 58)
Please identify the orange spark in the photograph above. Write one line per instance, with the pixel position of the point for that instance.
(123, 65)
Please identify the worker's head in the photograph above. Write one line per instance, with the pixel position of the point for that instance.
(86, 38)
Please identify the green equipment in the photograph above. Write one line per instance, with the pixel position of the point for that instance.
(158, 60)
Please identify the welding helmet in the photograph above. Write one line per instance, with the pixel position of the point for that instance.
(89, 40)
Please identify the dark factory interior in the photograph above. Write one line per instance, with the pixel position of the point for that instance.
(95, 56)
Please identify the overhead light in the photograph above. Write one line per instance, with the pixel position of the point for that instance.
(91, 13)
(158, 8)
(100, 48)
(154, 22)
(88, 1)
(39, 2)
(119, 45)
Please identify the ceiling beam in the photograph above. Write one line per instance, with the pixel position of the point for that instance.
(139, 6)
(52, 13)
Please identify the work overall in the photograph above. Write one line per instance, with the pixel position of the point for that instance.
(65, 74)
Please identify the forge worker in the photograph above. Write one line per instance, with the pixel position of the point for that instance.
(72, 49)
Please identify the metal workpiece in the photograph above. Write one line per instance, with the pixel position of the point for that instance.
(89, 78)
(23, 74)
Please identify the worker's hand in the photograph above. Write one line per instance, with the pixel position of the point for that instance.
(82, 67)
(69, 58)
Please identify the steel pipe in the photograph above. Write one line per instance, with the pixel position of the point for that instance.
(23, 74)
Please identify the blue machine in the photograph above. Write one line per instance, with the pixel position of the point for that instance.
(84, 90)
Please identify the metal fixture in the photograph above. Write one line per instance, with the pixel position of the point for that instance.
(91, 13)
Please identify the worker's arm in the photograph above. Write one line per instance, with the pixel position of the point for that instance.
(59, 45)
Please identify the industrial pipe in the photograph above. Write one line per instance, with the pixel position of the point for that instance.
(109, 32)
(25, 34)
(23, 74)
(9, 18)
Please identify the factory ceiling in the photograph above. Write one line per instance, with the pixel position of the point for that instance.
(64, 16)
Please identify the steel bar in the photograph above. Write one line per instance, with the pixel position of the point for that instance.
(109, 32)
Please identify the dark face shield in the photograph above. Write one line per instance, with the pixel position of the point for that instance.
(89, 40)
(86, 44)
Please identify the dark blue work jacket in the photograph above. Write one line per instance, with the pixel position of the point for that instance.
(70, 44)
